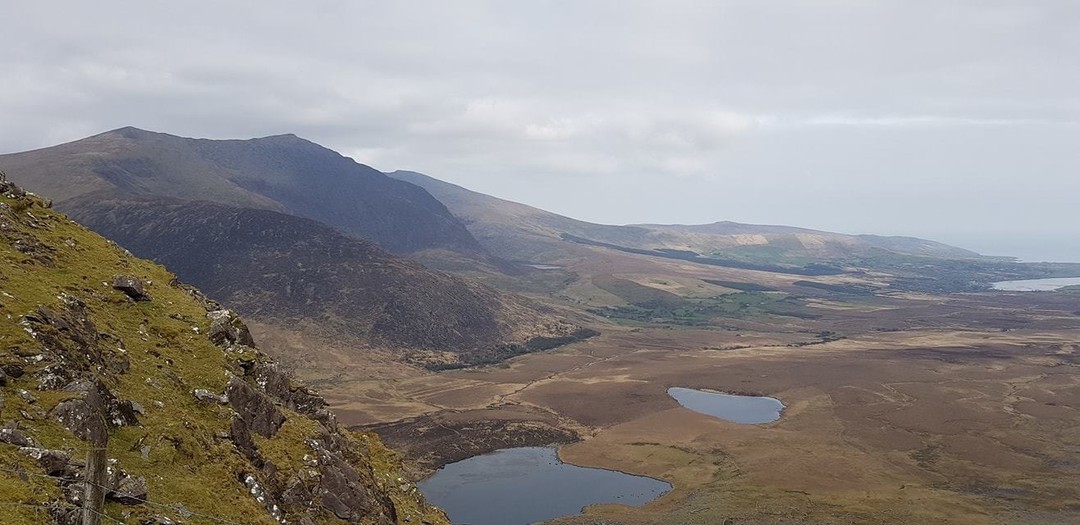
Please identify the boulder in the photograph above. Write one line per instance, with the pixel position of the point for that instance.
(131, 287)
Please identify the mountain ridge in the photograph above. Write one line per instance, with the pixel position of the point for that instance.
(285, 269)
(282, 173)
(496, 222)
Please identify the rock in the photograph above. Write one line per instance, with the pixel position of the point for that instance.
(254, 407)
(342, 488)
(272, 378)
(227, 328)
(122, 412)
(130, 491)
(131, 287)
(15, 437)
(77, 416)
(327, 418)
(53, 462)
(12, 370)
(54, 377)
(264, 496)
(89, 418)
(82, 385)
(70, 337)
(27, 396)
(240, 434)
(306, 401)
(207, 396)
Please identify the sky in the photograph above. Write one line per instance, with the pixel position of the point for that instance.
(957, 121)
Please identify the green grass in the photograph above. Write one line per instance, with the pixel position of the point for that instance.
(705, 311)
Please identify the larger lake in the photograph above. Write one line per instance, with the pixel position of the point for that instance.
(1036, 285)
(749, 410)
(519, 486)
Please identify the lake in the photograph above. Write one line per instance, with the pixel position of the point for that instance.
(750, 410)
(519, 486)
(1036, 285)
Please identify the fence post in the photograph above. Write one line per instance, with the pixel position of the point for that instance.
(96, 460)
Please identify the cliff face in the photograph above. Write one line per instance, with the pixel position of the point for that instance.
(201, 426)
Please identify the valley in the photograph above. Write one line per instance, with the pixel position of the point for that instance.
(912, 390)
(902, 407)
(806, 262)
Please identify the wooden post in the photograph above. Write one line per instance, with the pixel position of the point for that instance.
(96, 460)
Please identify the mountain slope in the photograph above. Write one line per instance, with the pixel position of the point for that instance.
(507, 228)
(285, 269)
(281, 173)
(516, 231)
(201, 427)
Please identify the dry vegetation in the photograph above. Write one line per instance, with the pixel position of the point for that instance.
(902, 407)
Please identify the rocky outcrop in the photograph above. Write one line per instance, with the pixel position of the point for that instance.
(254, 408)
(71, 340)
(227, 328)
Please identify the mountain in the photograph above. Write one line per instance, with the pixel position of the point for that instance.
(287, 270)
(104, 349)
(514, 231)
(281, 173)
(517, 231)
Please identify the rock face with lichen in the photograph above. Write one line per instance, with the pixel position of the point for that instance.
(200, 425)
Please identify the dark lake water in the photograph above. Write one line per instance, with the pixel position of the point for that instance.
(519, 486)
(750, 410)
(1036, 285)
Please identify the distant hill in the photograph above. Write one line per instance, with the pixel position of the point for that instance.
(281, 173)
(280, 268)
(514, 230)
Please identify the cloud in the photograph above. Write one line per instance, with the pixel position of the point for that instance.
(652, 111)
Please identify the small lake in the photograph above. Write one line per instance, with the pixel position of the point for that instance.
(749, 410)
(1037, 285)
(519, 486)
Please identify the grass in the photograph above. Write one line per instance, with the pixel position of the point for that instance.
(164, 339)
(704, 311)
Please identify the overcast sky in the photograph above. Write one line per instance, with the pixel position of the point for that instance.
(958, 121)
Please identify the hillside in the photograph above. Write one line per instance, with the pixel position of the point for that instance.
(282, 173)
(286, 270)
(508, 228)
(201, 427)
